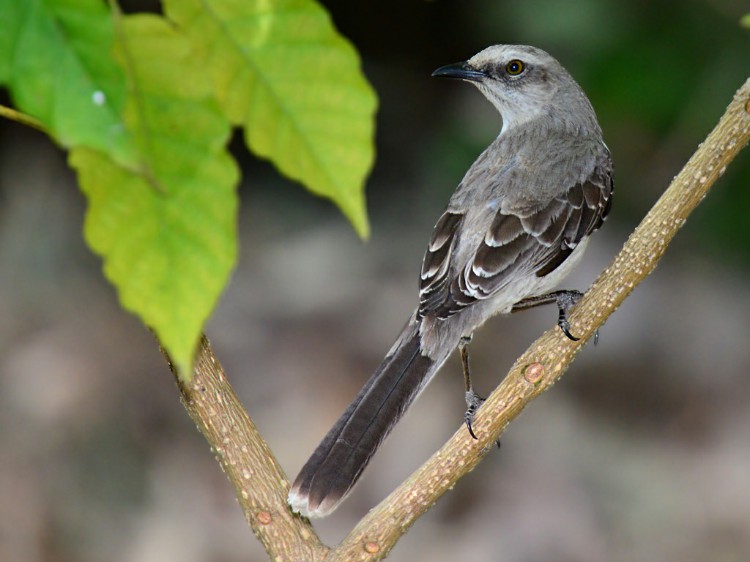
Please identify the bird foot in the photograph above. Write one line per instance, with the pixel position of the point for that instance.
(473, 403)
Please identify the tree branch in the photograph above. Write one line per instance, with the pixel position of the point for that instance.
(258, 479)
(549, 357)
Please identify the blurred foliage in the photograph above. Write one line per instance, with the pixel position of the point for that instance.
(659, 75)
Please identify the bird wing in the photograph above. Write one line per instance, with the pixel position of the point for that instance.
(531, 242)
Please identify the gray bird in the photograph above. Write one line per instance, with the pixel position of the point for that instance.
(518, 222)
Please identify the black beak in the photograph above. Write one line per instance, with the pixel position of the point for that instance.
(462, 71)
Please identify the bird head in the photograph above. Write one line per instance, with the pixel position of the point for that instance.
(525, 83)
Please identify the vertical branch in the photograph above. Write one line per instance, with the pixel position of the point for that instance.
(259, 482)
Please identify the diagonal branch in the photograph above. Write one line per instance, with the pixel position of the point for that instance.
(549, 357)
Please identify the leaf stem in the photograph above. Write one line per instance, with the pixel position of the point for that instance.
(22, 118)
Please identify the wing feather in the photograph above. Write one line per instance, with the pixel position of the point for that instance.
(534, 241)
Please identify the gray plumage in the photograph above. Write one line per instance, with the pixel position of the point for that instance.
(517, 223)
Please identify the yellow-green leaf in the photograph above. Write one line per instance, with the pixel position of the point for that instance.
(166, 228)
(282, 71)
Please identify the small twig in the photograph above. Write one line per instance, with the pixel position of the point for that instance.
(22, 118)
(548, 358)
(258, 480)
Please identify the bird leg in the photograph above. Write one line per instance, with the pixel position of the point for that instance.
(473, 400)
(565, 300)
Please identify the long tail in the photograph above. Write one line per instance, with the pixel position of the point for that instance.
(337, 463)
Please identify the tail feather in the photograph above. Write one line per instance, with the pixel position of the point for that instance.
(337, 463)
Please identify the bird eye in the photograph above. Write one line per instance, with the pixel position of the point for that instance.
(515, 67)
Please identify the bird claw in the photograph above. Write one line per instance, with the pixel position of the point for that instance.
(473, 402)
(565, 327)
(566, 300)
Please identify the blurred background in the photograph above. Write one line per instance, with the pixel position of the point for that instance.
(640, 453)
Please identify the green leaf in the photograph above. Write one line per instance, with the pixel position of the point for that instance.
(745, 21)
(8, 33)
(282, 70)
(56, 58)
(166, 230)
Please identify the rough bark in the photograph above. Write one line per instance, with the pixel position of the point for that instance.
(258, 480)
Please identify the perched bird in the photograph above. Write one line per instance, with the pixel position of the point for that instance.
(518, 222)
